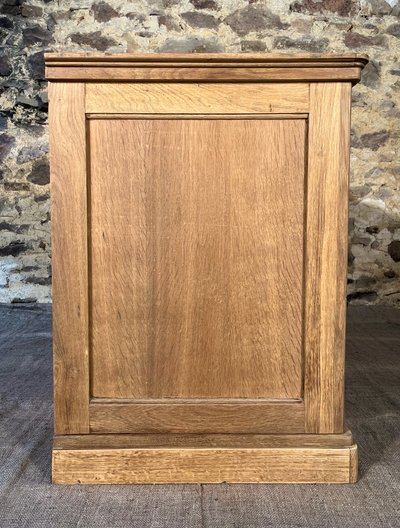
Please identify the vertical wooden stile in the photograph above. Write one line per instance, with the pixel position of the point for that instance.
(326, 256)
(69, 257)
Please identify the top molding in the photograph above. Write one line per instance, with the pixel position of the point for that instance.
(204, 67)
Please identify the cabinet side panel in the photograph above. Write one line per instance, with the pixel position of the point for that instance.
(326, 256)
(69, 257)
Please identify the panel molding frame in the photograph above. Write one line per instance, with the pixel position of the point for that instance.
(225, 116)
(300, 215)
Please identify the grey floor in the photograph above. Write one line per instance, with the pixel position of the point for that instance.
(27, 499)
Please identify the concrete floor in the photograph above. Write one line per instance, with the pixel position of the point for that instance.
(27, 499)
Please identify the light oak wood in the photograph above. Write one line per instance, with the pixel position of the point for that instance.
(199, 267)
(206, 59)
(198, 417)
(203, 75)
(205, 67)
(69, 257)
(185, 260)
(353, 477)
(191, 98)
(208, 465)
(326, 256)
(222, 117)
(185, 441)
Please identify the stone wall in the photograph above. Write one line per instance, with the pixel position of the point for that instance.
(335, 26)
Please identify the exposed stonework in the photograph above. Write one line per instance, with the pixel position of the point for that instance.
(305, 43)
(394, 250)
(332, 26)
(254, 17)
(204, 4)
(201, 20)
(103, 12)
(357, 41)
(94, 40)
(339, 7)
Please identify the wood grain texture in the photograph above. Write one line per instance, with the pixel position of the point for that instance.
(326, 256)
(191, 98)
(167, 261)
(69, 257)
(221, 117)
(208, 59)
(249, 417)
(353, 464)
(187, 250)
(206, 465)
(267, 74)
(188, 441)
(205, 67)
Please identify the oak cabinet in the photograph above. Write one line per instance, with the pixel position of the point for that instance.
(199, 216)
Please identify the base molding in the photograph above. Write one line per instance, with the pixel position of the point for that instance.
(179, 459)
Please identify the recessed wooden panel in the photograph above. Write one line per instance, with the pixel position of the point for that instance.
(196, 98)
(194, 224)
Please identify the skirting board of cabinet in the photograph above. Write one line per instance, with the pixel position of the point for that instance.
(179, 459)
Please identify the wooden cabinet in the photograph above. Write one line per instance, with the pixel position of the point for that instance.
(199, 215)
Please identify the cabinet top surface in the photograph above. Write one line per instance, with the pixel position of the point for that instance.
(209, 58)
(203, 67)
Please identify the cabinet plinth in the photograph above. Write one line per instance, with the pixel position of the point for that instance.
(199, 217)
